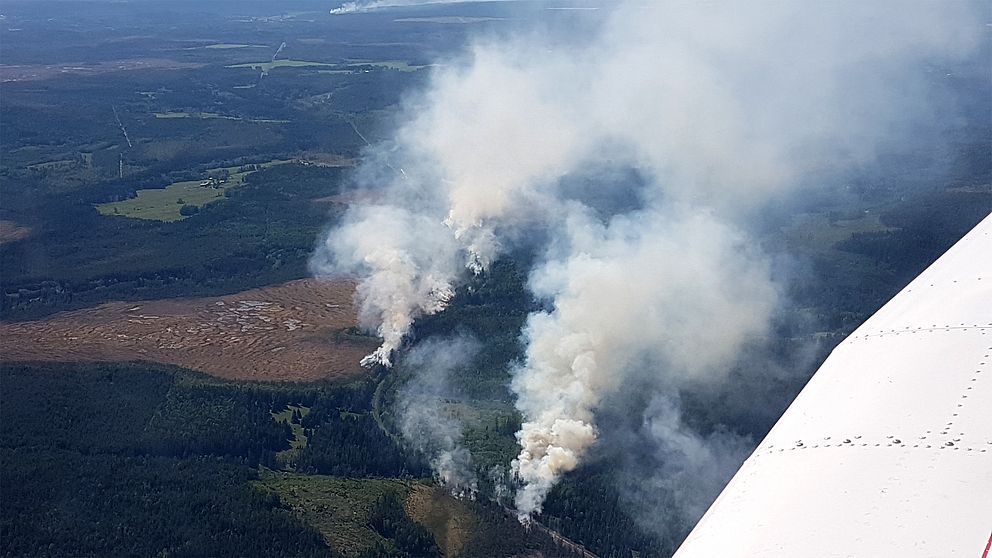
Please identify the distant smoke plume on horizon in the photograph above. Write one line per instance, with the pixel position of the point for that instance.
(720, 108)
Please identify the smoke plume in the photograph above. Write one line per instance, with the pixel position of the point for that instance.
(677, 292)
(426, 421)
(407, 262)
(669, 473)
(719, 108)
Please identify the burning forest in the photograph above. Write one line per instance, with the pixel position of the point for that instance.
(632, 167)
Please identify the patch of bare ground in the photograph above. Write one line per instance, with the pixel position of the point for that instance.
(297, 331)
(450, 521)
(11, 231)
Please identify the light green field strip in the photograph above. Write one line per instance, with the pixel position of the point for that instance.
(401, 65)
(267, 66)
(228, 46)
(163, 204)
(214, 115)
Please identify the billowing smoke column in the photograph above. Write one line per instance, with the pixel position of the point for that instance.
(407, 262)
(719, 108)
(678, 291)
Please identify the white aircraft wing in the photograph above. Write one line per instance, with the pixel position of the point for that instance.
(887, 451)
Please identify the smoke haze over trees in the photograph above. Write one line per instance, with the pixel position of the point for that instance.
(719, 109)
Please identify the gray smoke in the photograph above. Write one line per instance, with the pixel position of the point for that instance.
(719, 107)
(674, 472)
(426, 419)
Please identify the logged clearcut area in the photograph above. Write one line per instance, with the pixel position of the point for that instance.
(297, 331)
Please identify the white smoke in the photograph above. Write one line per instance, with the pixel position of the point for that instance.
(678, 291)
(425, 420)
(720, 107)
(406, 262)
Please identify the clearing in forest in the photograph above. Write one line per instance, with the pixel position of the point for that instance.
(166, 204)
(338, 508)
(228, 46)
(174, 115)
(451, 521)
(281, 63)
(353, 65)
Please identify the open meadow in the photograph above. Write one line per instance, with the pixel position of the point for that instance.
(167, 204)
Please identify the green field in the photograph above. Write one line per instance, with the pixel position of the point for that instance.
(163, 204)
(400, 65)
(267, 66)
(228, 46)
(173, 115)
